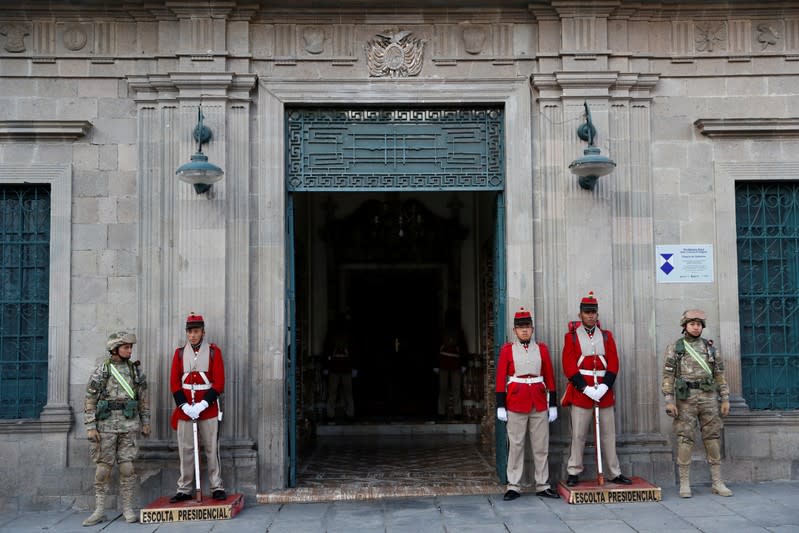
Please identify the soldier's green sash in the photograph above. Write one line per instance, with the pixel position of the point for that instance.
(698, 358)
(121, 381)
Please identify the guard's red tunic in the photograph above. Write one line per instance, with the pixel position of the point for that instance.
(577, 380)
(524, 397)
(182, 393)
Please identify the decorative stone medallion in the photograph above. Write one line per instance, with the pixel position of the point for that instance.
(767, 35)
(15, 37)
(474, 38)
(74, 37)
(711, 35)
(314, 39)
(394, 54)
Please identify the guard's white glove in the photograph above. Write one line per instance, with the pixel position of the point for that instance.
(355, 372)
(601, 390)
(435, 370)
(592, 393)
(200, 407)
(188, 409)
(553, 414)
(502, 414)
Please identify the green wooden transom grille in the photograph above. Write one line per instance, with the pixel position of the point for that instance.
(423, 149)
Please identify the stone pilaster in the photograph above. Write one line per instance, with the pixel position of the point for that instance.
(600, 240)
(193, 248)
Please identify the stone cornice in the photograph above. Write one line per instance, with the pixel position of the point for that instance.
(38, 130)
(204, 86)
(748, 127)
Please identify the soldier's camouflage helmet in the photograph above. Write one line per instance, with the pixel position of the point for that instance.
(693, 314)
(118, 338)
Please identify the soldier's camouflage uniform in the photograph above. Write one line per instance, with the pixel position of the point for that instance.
(702, 403)
(117, 432)
(119, 426)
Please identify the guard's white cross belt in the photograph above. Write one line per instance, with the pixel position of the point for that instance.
(196, 386)
(600, 373)
(528, 381)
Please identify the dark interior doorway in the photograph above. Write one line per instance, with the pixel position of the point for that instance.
(396, 314)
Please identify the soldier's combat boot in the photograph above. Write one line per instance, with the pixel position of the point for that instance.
(684, 449)
(101, 475)
(718, 485)
(713, 449)
(127, 482)
(685, 481)
(99, 511)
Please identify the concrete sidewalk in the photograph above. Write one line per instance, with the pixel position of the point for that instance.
(760, 507)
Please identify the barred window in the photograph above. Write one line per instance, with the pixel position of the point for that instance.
(767, 226)
(24, 298)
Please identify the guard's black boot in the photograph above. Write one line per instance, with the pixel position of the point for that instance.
(511, 495)
(180, 497)
(572, 480)
(622, 480)
(547, 493)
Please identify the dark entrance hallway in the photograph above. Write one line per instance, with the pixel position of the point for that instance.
(395, 313)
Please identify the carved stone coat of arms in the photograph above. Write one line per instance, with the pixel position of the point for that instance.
(394, 55)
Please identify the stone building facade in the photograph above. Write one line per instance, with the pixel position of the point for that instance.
(99, 100)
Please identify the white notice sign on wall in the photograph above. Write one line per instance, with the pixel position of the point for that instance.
(684, 263)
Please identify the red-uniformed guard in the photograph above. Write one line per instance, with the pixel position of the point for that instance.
(196, 381)
(526, 400)
(591, 364)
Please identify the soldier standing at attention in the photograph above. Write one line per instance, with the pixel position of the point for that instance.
(591, 364)
(693, 384)
(526, 400)
(116, 408)
(196, 380)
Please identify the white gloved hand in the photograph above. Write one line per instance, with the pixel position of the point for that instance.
(355, 372)
(601, 390)
(435, 370)
(502, 414)
(553, 414)
(592, 393)
(463, 370)
(200, 407)
(188, 409)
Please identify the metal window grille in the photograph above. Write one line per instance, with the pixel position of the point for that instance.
(767, 225)
(24, 295)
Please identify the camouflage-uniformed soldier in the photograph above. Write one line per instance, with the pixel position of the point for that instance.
(693, 377)
(116, 408)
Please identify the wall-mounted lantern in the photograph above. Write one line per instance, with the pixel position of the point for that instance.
(199, 172)
(592, 165)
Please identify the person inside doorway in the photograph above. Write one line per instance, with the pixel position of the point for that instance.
(451, 366)
(339, 369)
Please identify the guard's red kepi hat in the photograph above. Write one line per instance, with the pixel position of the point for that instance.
(589, 303)
(522, 316)
(194, 321)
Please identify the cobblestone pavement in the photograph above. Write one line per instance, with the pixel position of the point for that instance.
(756, 507)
